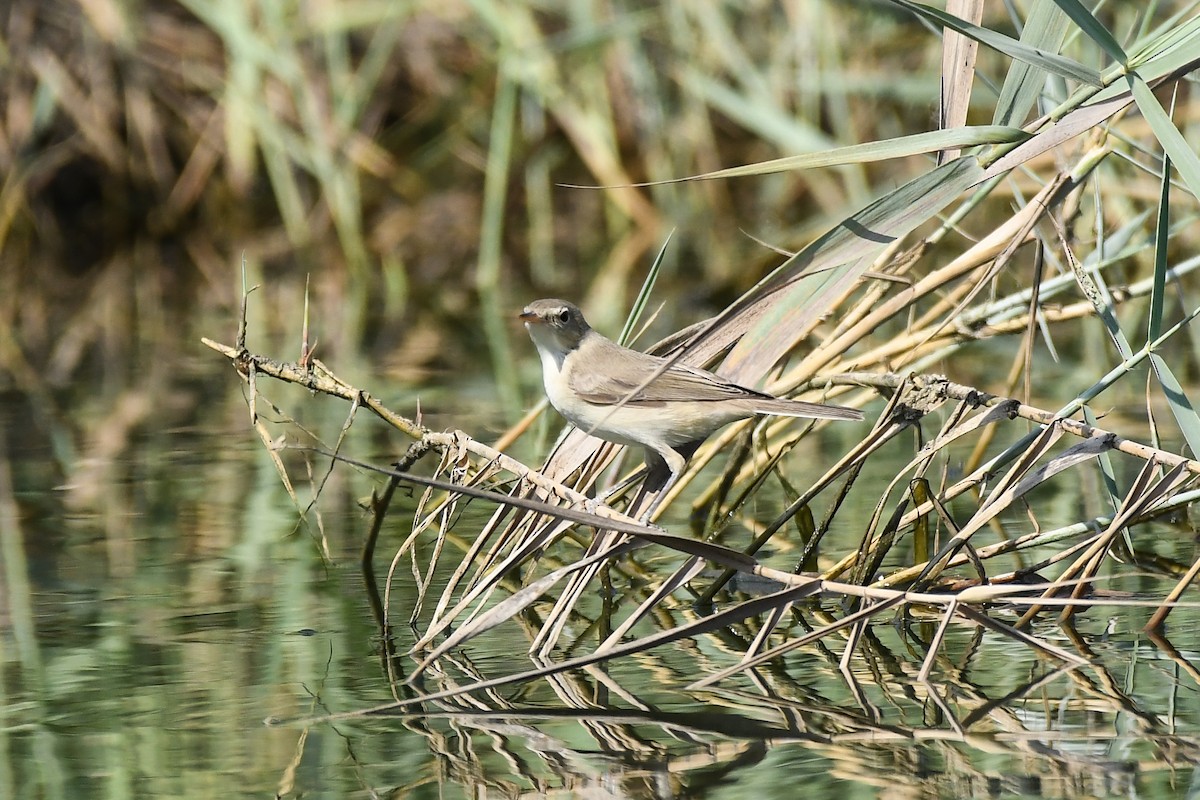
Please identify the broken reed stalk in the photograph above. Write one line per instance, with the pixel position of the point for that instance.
(318, 378)
(941, 386)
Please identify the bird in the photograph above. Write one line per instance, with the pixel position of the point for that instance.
(597, 385)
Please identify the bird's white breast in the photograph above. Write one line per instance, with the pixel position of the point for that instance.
(594, 419)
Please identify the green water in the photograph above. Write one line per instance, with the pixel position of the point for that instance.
(173, 627)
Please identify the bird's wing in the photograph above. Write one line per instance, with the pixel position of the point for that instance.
(625, 370)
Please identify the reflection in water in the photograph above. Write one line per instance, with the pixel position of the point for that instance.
(985, 731)
(145, 651)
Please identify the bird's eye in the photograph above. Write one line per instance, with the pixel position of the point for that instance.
(564, 316)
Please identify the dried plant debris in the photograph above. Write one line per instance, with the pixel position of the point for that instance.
(944, 309)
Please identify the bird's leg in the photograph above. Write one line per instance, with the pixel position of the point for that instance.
(593, 503)
(655, 460)
(658, 498)
(602, 499)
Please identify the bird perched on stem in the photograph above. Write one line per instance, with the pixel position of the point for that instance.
(627, 397)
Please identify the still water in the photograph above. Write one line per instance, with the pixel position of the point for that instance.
(175, 626)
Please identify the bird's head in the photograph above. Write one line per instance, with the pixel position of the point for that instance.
(555, 324)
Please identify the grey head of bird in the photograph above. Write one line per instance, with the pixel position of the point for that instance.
(555, 325)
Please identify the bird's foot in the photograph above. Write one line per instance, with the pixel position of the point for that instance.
(654, 526)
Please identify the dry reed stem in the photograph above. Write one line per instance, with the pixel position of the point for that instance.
(319, 379)
(1007, 407)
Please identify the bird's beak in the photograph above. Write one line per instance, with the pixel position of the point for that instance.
(529, 316)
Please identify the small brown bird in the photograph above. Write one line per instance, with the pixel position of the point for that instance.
(586, 376)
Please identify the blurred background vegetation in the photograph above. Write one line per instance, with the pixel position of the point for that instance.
(407, 158)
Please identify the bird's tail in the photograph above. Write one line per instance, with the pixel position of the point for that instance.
(798, 408)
